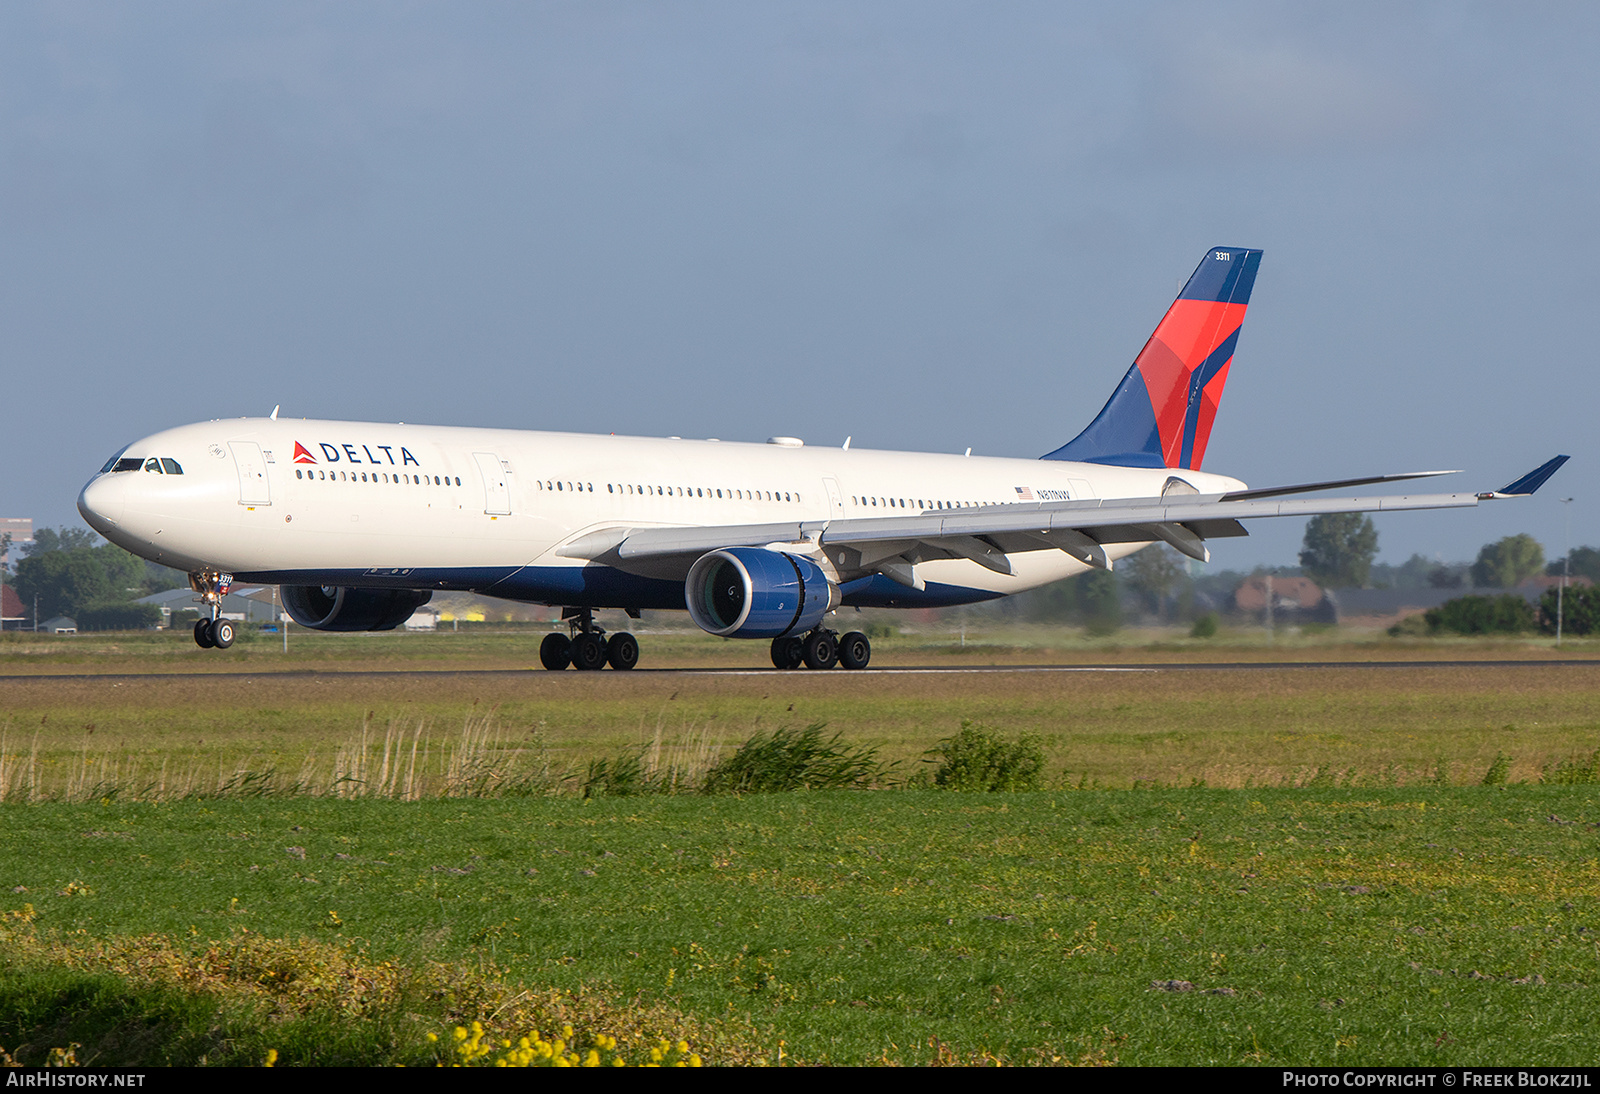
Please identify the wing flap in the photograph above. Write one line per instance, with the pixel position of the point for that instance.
(1097, 520)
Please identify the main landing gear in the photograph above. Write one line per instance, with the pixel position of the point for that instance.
(822, 649)
(216, 632)
(587, 648)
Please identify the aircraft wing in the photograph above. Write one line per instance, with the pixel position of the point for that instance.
(986, 535)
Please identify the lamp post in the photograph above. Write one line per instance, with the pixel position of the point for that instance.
(1566, 571)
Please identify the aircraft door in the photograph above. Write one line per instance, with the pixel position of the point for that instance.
(252, 468)
(496, 488)
(835, 499)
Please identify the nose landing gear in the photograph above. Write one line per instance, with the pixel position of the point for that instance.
(216, 632)
(588, 648)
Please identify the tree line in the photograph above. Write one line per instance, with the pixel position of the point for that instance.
(1338, 551)
(72, 572)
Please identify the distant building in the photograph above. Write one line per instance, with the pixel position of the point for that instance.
(21, 529)
(255, 604)
(61, 624)
(13, 613)
(425, 618)
(244, 605)
(1293, 600)
(1381, 604)
(1539, 584)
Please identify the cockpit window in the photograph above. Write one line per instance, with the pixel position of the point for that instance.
(156, 465)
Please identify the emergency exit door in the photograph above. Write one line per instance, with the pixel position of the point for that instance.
(496, 488)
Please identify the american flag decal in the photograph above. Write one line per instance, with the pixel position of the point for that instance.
(1024, 493)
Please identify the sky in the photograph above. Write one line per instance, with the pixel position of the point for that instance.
(924, 225)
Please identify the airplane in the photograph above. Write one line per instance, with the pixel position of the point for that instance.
(360, 523)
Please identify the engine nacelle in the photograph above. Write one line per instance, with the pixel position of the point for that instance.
(752, 592)
(336, 608)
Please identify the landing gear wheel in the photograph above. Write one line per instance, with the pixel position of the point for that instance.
(787, 653)
(222, 633)
(822, 652)
(588, 652)
(202, 634)
(622, 651)
(854, 650)
(555, 652)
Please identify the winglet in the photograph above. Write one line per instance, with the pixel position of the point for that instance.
(1530, 482)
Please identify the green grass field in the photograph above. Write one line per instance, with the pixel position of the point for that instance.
(1417, 926)
(1342, 891)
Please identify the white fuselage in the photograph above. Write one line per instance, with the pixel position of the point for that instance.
(357, 503)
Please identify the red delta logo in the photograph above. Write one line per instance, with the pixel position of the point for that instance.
(301, 455)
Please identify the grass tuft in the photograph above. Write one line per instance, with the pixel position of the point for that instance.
(978, 759)
(788, 759)
(1499, 772)
(155, 1001)
(1575, 771)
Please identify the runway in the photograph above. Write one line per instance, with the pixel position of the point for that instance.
(905, 670)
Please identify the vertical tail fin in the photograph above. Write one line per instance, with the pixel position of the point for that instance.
(1161, 413)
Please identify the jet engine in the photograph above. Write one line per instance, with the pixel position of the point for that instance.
(753, 592)
(336, 608)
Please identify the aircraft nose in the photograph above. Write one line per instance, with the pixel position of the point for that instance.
(102, 501)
